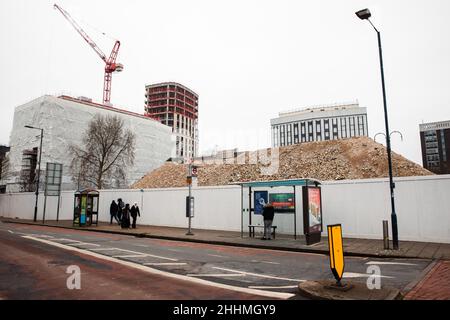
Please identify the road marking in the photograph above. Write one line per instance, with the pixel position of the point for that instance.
(135, 252)
(220, 275)
(83, 244)
(259, 275)
(164, 264)
(270, 262)
(10, 231)
(216, 255)
(103, 249)
(270, 294)
(391, 263)
(363, 275)
(130, 256)
(272, 287)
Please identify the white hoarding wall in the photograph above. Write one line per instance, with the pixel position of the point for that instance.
(422, 205)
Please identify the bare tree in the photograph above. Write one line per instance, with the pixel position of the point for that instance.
(107, 150)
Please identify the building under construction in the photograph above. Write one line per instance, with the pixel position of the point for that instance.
(177, 107)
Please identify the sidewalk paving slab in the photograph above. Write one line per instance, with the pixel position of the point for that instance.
(352, 246)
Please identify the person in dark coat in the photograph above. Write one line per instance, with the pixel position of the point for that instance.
(134, 214)
(113, 211)
(120, 206)
(125, 224)
(268, 214)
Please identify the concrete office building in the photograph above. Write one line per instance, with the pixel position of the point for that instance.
(319, 123)
(435, 142)
(64, 120)
(177, 107)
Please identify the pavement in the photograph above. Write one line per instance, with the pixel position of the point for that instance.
(434, 286)
(352, 246)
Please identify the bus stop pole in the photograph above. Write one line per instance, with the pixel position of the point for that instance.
(295, 215)
(242, 211)
(249, 207)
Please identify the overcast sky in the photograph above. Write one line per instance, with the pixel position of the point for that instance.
(247, 60)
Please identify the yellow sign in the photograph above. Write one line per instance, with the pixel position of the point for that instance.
(336, 250)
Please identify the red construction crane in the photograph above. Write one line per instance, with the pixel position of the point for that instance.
(111, 65)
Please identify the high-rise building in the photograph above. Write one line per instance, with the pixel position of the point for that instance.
(177, 107)
(435, 142)
(319, 123)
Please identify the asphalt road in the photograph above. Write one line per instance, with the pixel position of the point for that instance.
(34, 261)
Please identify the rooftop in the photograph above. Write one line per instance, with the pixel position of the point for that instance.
(321, 108)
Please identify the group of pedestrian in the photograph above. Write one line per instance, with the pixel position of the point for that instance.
(122, 213)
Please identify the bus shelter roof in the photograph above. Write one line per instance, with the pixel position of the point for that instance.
(280, 183)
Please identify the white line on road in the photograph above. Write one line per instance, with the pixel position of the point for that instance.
(78, 243)
(10, 231)
(135, 252)
(220, 275)
(103, 249)
(130, 256)
(273, 287)
(270, 294)
(165, 264)
(259, 275)
(216, 255)
(270, 262)
(362, 275)
(391, 263)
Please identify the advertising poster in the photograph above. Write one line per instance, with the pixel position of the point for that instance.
(260, 200)
(314, 210)
(283, 202)
(83, 211)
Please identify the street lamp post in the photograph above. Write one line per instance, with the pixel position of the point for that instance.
(365, 15)
(38, 173)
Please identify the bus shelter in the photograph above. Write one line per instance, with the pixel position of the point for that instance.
(85, 212)
(286, 203)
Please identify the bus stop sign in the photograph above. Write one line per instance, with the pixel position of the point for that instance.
(336, 251)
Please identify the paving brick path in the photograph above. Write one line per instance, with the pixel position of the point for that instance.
(434, 286)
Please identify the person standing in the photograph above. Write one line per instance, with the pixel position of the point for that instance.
(268, 214)
(113, 211)
(125, 223)
(120, 207)
(134, 214)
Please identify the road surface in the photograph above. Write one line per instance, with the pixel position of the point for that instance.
(34, 261)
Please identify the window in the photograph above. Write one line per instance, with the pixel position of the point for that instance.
(295, 132)
(310, 131)
(352, 126)
(289, 134)
(343, 127)
(335, 128)
(361, 125)
(318, 131)
(326, 127)
(303, 131)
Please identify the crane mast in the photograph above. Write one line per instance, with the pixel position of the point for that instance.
(110, 63)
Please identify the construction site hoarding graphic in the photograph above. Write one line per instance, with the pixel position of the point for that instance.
(260, 200)
(314, 209)
(283, 202)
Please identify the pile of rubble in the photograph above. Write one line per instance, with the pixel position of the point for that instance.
(355, 158)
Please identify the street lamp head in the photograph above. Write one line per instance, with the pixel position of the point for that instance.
(363, 14)
(30, 127)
